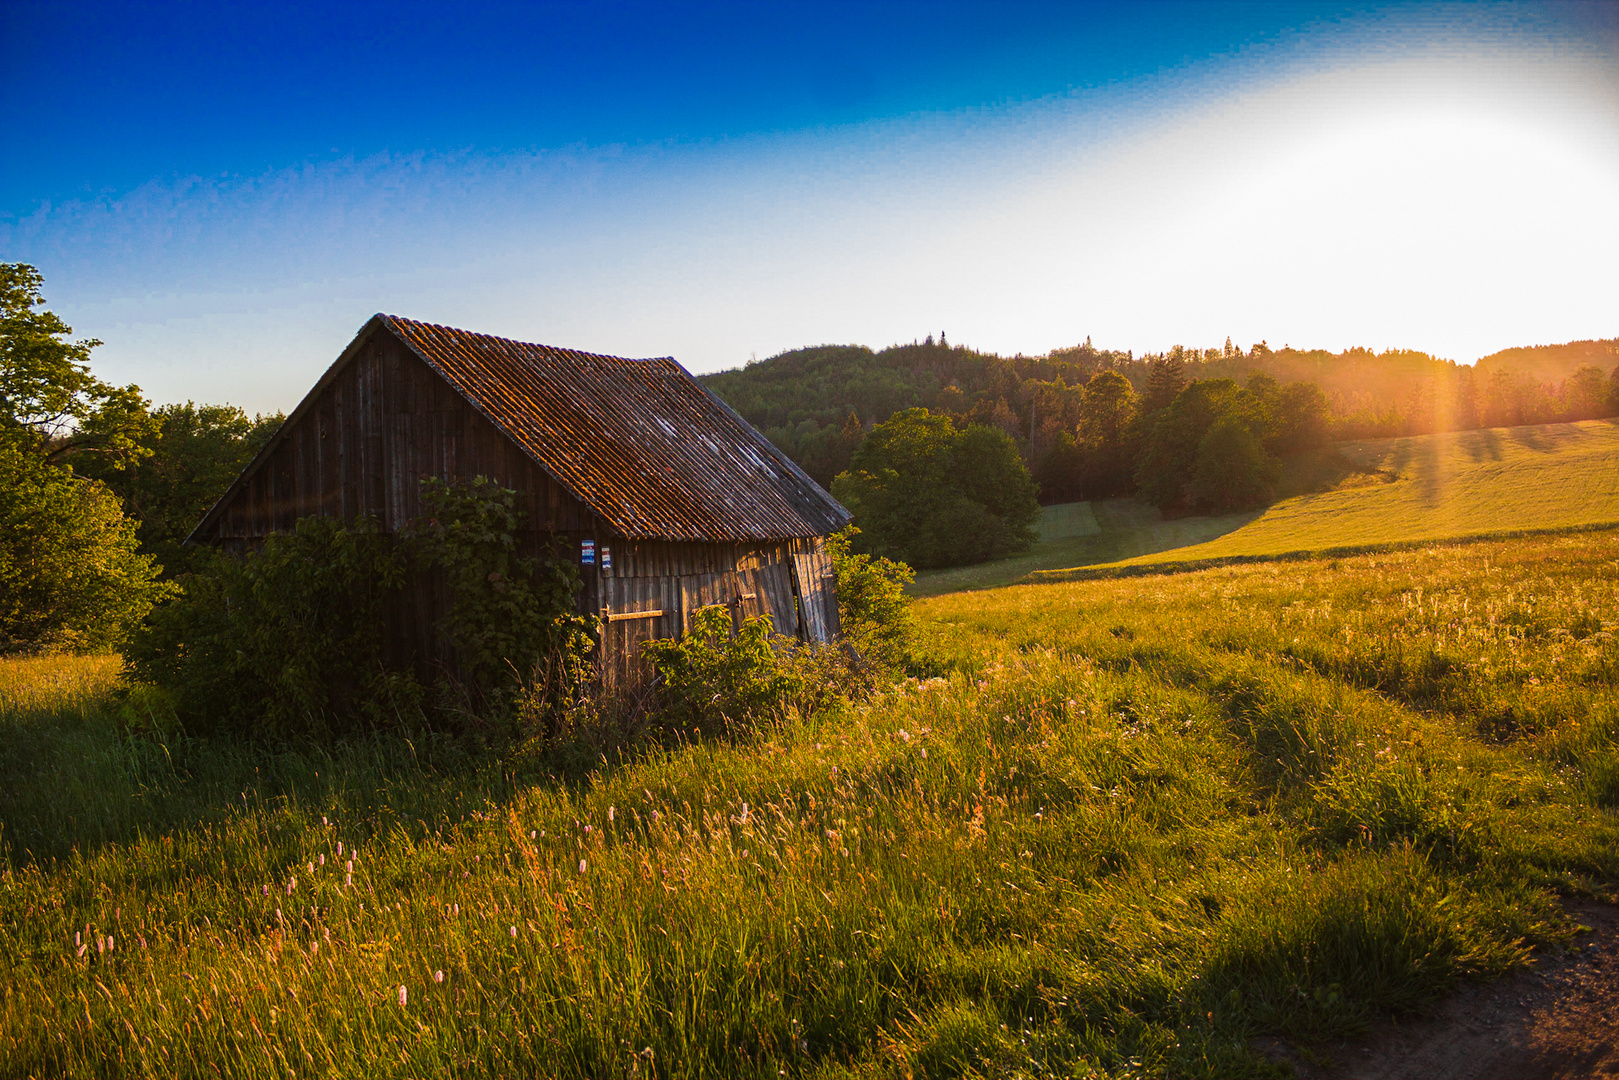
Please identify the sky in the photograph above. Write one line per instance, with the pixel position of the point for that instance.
(223, 194)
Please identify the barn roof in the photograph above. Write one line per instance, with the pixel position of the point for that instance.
(641, 442)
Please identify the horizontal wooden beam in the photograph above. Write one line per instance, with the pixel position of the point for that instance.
(622, 615)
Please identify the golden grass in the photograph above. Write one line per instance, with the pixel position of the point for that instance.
(1132, 826)
(1434, 487)
(55, 684)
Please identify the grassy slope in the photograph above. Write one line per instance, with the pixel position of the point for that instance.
(1124, 528)
(1142, 821)
(1445, 487)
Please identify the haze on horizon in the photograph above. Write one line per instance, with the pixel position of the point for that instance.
(223, 195)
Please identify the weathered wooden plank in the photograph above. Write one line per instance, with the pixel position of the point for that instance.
(810, 577)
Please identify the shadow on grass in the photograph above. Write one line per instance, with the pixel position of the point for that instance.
(73, 784)
(1126, 528)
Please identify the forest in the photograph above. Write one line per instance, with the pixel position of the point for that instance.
(1083, 441)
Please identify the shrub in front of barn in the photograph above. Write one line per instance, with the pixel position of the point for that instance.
(727, 679)
(285, 641)
(288, 640)
(721, 679)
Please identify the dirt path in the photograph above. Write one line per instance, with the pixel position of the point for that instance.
(1559, 1020)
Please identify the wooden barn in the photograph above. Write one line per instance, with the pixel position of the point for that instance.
(669, 500)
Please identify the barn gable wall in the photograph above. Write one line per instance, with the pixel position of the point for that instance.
(383, 423)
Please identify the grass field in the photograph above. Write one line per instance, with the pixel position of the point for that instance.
(1428, 487)
(1113, 530)
(1436, 487)
(1140, 823)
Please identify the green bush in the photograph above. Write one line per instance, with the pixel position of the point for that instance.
(287, 640)
(716, 682)
(512, 620)
(930, 495)
(1232, 470)
(70, 575)
(873, 609)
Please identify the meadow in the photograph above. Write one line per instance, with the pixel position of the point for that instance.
(1132, 826)
(1430, 487)
(1084, 534)
(1372, 494)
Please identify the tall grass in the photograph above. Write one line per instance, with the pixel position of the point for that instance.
(1140, 823)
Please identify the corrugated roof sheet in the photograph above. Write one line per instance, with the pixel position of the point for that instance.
(641, 442)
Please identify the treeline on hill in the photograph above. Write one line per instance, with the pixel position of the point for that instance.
(1191, 431)
(818, 403)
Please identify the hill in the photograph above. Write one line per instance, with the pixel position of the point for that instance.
(816, 403)
(804, 400)
(1430, 487)
(1553, 363)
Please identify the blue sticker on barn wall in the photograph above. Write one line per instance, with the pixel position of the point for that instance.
(587, 552)
(607, 558)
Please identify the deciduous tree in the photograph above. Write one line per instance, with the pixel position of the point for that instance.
(931, 495)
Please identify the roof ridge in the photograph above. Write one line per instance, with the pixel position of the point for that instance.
(563, 349)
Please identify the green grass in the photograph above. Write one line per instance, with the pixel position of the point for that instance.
(1140, 823)
(1397, 491)
(1435, 487)
(1082, 534)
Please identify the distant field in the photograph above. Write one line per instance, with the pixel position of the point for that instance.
(1083, 534)
(1432, 487)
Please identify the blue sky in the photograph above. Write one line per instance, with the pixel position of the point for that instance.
(224, 193)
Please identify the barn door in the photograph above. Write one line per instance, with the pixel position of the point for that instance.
(817, 596)
(698, 591)
(745, 594)
(636, 611)
(775, 585)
